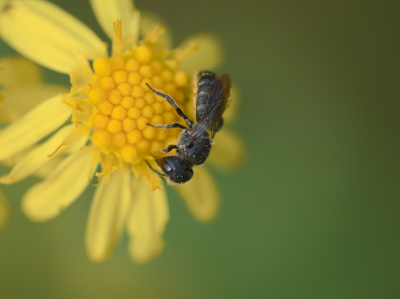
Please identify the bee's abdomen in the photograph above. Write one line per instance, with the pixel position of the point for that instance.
(204, 80)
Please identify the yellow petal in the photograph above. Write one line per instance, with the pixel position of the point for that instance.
(47, 199)
(228, 152)
(147, 23)
(18, 100)
(19, 70)
(44, 171)
(36, 158)
(5, 209)
(35, 125)
(107, 217)
(201, 195)
(107, 12)
(147, 220)
(209, 55)
(48, 35)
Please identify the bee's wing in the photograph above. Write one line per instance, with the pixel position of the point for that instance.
(217, 102)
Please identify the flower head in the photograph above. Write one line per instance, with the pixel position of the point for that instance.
(113, 104)
(109, 105)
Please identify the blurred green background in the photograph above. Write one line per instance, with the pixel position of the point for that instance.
(315, 211)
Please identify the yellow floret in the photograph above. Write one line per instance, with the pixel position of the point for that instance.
(118, 113)
(146, 71)
(141, 123)
(147, 112)
(170, 89)
(161, 134)
(107, 83)
(134, 113)
(117, 63)
(120, 76)
(156, 66)
(167, 75)
(100, 121)
(156, 120)
(167, 106)
(106, 107)
(129, 153)
(157, 107)
(118, 139)
(128, 125)
(102, 66)
(132, 65)
(143, 146)
(179, 97)
(127, 102)
(114, 97)
(157, 82)
(140, 103)
(134, 78)
(144, 54)
(149, 97)
(143, 84)
(169, 117)
(137, 92)
(101, 139)
(125, 89)
(149, 133)
(97, 95)
(114, 126)
(181, 79)
(134, 136)
(155, 146)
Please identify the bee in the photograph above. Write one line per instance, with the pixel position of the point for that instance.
(196, 140)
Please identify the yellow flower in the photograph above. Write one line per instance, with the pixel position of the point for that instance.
(110, 105)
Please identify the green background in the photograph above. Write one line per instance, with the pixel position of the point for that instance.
(314, 212)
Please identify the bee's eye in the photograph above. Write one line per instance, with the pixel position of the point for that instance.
(167, 168)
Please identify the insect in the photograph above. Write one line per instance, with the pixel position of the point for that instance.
(196, 139)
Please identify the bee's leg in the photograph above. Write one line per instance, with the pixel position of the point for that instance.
(173, 104)
(169, 148)
(173, 125)
(160, 174)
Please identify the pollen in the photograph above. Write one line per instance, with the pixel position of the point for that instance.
(124, 106)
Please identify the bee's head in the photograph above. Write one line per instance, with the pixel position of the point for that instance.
(175, 169)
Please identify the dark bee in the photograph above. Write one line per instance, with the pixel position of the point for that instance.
(195, 141)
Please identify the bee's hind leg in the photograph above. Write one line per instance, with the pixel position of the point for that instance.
(173, 104)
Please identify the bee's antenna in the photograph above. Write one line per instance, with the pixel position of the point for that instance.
(160, 174)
